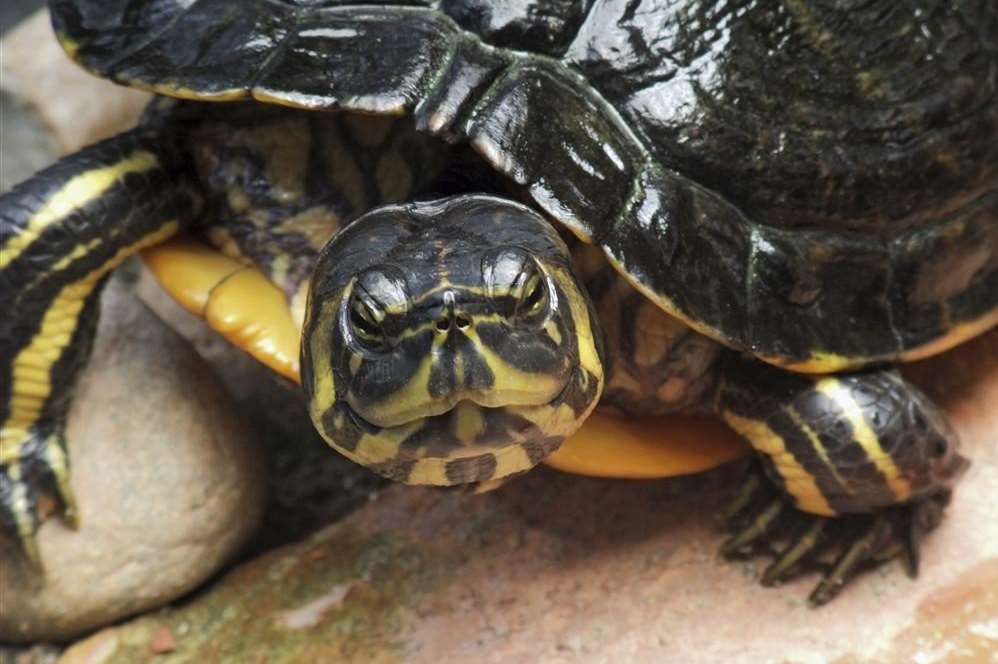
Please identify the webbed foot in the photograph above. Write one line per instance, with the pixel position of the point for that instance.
(34, 483)
(764, 520)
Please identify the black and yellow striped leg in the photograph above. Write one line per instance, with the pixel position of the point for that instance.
(61, 233)
(852, 471)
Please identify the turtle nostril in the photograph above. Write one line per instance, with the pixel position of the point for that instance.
(463, 322)
(443, 324)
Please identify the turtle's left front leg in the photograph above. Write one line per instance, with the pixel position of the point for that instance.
(61, 232)
(853, 470)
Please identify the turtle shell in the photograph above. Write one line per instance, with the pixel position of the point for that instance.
(814, 183)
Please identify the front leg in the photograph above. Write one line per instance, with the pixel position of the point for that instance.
(856, 467)
(61, 232)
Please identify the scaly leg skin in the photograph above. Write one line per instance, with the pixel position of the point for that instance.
(839, 548)
(853, 471)
(61, 232)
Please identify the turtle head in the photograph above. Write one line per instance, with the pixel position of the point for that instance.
(448, 342)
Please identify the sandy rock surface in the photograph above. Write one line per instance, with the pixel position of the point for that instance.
(168, 480)
(557, 568)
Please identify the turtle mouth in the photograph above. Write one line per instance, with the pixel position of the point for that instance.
(446, 409)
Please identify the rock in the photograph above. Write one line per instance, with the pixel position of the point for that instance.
(35, 67)
(168, 480)
(28, 144)
(310, 484)
(557, 568)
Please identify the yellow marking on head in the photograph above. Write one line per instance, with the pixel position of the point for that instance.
(409, 402)
(799, 483)
(379, 449)
(552, 331)
(469, 422)
(430, 471)
(588, 356)
(459, 369)
(510, 460)
(865, 436)
(513, 384)
(47, 345)
(76, 193)
(324, 389)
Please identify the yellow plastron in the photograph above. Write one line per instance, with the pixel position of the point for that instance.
(247, 309)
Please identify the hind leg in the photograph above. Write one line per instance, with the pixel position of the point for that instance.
(853, 470)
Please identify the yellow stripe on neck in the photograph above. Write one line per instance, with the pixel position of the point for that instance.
(75, 194)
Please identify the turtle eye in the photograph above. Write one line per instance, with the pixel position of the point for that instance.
(533, 296)
(517, 284)
(365, 327)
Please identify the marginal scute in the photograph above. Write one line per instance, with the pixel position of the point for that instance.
(945, 275)
(468, 74)
(342, 41)
(801, 280)
(545, 26)
(539, 128)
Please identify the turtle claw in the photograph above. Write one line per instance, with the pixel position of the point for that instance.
(754, 531)
(840, 548)
(786, 565)
(39, 469)
(860, 552)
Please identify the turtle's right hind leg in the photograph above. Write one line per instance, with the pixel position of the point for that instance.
(61, 232)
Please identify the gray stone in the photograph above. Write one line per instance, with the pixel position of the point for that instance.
(168, 480)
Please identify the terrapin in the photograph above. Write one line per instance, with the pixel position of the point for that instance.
(487, 215)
